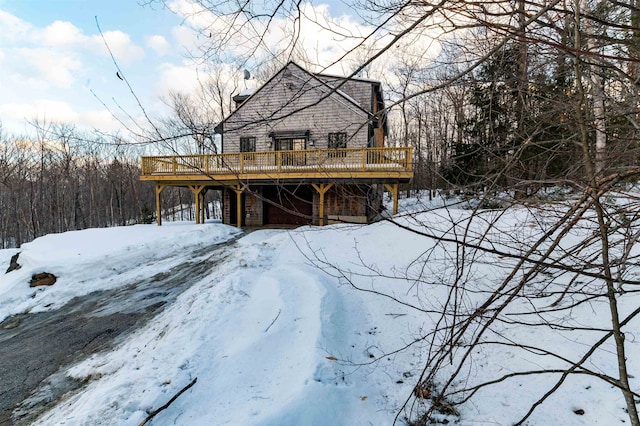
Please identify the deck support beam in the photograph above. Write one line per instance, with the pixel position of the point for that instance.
(239, 189)
(393, 189)
(202, 204)
(322, 189)
(199, 198)
(159, 188)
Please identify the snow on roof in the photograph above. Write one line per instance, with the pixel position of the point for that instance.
(247, 92)
(355, 78)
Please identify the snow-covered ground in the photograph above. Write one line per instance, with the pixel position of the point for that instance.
(97, 259)
(306, 326)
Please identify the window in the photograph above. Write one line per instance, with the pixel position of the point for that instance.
(248, 144)
(337, 140)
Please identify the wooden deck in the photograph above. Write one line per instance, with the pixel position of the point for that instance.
(321, 168)
(383, 164)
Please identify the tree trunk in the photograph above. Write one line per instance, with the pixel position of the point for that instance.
(598, 96)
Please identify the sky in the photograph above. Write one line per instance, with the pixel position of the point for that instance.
(54, 65)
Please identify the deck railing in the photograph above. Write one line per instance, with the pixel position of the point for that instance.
(281, 162)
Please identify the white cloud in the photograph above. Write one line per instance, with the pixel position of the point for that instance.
(60, 56)
(57, 55)
(120, 45)
(54, 67)
(323, 39)
(13, 28)
(42, 108)
(158, 44)
(57, 111)
(193, 13)
(99, 119)
(65, 34)
(334, 44)
(184, 36)
(61, 34)
(39, 66)
(182, 78)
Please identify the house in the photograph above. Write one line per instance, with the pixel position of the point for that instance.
(304, 148)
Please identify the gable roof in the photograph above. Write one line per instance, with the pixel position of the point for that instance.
(312, 77)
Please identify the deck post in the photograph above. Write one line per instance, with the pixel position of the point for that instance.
(202, 204)
(197, 195)
(159, 188)
(322, 189)
(393, 189)
(239, 189)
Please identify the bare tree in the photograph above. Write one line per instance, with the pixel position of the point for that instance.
(541, 94)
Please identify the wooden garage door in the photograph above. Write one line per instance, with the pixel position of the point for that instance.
(291, 205)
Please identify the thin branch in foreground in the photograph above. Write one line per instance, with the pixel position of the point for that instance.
(165, 406)
(274, 320)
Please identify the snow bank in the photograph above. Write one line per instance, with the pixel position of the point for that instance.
(98, 259)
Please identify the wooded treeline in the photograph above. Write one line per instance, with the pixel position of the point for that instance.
(496, 94)
(62, 179)
(510, 99)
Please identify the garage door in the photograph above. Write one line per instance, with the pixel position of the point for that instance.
(288, 205)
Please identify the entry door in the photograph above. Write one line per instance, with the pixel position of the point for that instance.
(292, 144)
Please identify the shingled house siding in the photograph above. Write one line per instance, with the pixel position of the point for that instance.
(271, 110)
(359, 90)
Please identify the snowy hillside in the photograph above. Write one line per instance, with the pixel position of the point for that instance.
(321, 326)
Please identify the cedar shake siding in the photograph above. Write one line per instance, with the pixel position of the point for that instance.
(299, 104)
(302, 149)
